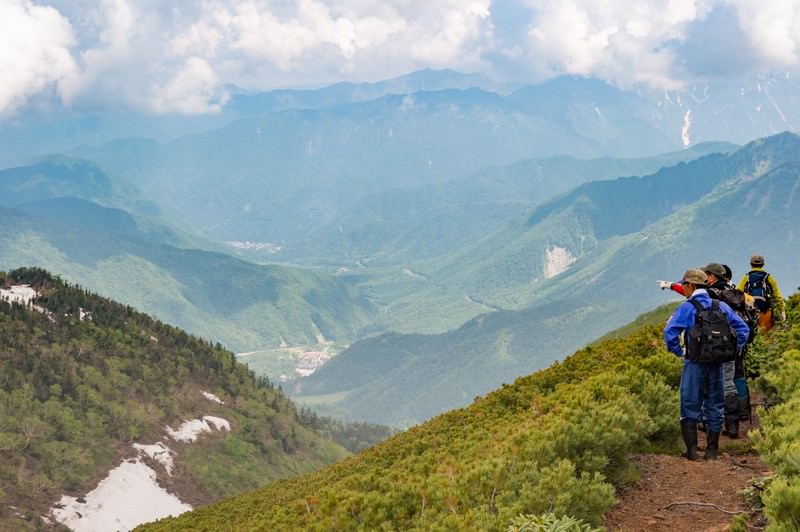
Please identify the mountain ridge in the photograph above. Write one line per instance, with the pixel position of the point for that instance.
(85, 380)
(610, 282)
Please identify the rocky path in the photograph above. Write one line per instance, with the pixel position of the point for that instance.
(675, 494)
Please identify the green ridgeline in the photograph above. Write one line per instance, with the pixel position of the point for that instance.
(545, 452)
(82, 378)
(557, 441)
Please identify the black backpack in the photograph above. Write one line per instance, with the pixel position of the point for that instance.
(758, 286)
(735, 299)
(711, 340)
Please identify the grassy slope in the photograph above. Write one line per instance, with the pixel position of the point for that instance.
(464, 469)
(571, 426)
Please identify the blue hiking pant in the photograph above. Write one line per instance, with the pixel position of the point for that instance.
(703, 394)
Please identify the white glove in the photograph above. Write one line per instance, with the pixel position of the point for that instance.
(664, 284)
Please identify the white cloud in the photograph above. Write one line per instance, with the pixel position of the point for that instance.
(35, 46)
(773, 29)
(317, 41)
(194, 89)
(176, 56)
(647, 41)
(162, 58)
(627, 42)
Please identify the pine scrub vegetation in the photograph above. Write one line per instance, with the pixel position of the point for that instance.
(779, 441)
(554, 443)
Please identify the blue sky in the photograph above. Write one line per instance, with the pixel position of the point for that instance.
(165, 57)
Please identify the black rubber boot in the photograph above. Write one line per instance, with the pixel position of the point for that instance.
(744, 408)
(732, 427)
(689, 432)
(712, 445)
(731, 416)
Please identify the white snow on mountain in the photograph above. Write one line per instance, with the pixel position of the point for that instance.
(190, 430)
(558, 260)
(213, 398)
(687, 124)
(158, 452)
(21, 293)
(130, 494)
(126, 498)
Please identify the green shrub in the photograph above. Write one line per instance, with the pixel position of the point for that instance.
(549, 523)
(779, 440)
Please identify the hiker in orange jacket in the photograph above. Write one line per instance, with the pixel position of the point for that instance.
(764, 288)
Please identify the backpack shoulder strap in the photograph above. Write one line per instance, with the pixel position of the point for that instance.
(697, 305)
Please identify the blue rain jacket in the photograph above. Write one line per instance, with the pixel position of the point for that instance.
(683, 319)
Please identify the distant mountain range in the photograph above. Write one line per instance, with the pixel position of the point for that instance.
(70, 216)
(406, 226)
(277, 174)
(619, 235)
(146, 263)
(431, 204)
(274, 166)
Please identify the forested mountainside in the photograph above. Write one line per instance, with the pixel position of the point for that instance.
(557, 441)
(721, 207)
(408, 226)
(87, 383)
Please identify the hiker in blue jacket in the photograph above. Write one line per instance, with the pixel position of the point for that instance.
(702, 388)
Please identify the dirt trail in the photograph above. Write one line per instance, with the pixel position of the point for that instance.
(651, 504)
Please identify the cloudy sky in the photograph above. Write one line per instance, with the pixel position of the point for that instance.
(161, 56)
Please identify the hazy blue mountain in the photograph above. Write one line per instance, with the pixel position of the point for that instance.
(257, 103)
(301, 162)
(58, 176)
(406, 226)
(81, 195)
(279, 176)
(718, 208)
(242, 305)
(44, 129)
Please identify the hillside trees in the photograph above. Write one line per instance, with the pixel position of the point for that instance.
(83, 377)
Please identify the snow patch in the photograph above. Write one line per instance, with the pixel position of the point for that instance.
(126, 498)
(218, 422)
(190, 430)
(558, 260)
(213, 398)
(687, 123)
(410, 272)
(158, 452)
(21, 293)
